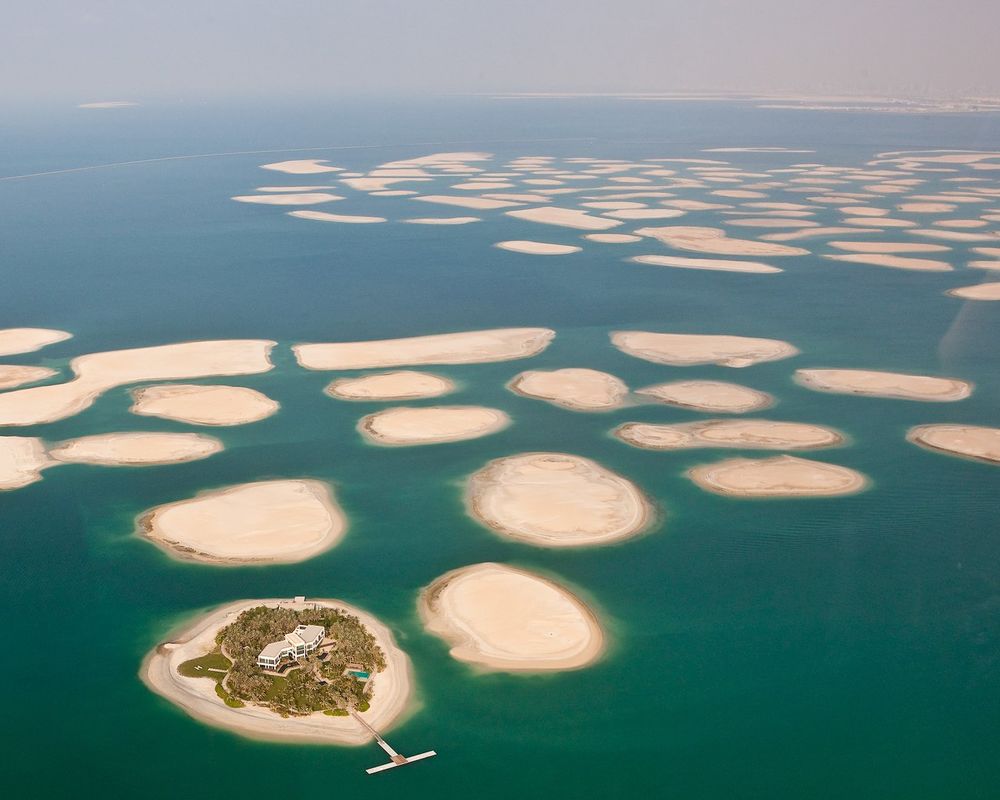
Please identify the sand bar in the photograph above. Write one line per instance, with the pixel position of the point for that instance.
(197, 697)
(681, 349)
(538, 248)
(401, 385)
(22, 459)
(323, 216)
(468, 347)
(431, 424)
(715, 264)
(506, 619)
(27, 340)
(970, 441)
(751, 434)
(556, 500)
(993, 252)
(479, 203)
(565, 217)
(290, 199)
(136, 449)
(612, 238)
(895, 262)
(203, 405)
(985, 264)
(576, 389)
(14, 375)
(714, 396)
(716, 242)
(780, 476)
(982, 291)
(813, 233)
(98, 372)
(871, 383)
(890, 247)
(267, 522)
(442, 220)
(304, 166)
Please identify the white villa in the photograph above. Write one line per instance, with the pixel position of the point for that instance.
(303, 640)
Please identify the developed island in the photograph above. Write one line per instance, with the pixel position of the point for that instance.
(780, 476)
(503, 618)
(971, 441)
(399, 385)
(682, 349)
(872, 383)
(714, 396)
(756, 434)
(203, 405)
(291, 670)
(557, 500)
(279, 521)
(576, 389)
(431, 424)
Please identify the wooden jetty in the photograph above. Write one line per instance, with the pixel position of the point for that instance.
(395, 759)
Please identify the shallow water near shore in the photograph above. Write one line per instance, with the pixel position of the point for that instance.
(820, 648)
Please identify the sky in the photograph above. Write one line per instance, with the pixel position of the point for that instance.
(134, 49)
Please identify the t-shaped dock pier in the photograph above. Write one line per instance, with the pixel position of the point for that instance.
(396, 760)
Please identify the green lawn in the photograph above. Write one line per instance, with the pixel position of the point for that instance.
(202, 667)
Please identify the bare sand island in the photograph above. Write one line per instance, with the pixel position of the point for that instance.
(22, 459)
(197, 696)
(718, 264)
(895, 262)
(203, 405)
(289, 199)
(566, 217)
(556, 500)
(442, 220)
(970, 441)
(304, 166)
(467, 347)
(612, 238)
(479, 203)
(323, 216)
(136, 449)
(982, 291)
(27, 340)
(780, 476)
(714, 396)
(890, 247)
(506, 619)
(431, 424)
(755, 434)
(538, 248)
(13, 375)
(267, 522)
(576, 389)
(96, 373)
(895, 385)
(716, 242)
(401, 385)
(683, 349)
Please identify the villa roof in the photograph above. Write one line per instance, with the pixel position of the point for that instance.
(310, 632)
(273, 650)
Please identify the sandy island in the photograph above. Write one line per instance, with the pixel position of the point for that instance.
(890, 247)
(203, 405)
(401, 385)
(323, 216)
(22, 459)
(780, 476)
(506, 619)
(612, 238)
(715, 241)
(719, 264)
(872, 383)
(136, 449)
(197, 697)
(896, 262)
(566, 217)
(751, 434)
(576, 389)
(12, 375)
(305, 166)
(96, 373)
(982, 291)
(468, 347)
(971, 441)
(431, 424)
(289, 199)
(27, 340)
(268, 522)
(714, 396)
(556, 500)
(538, 248)
(442, 220)
(679, 349)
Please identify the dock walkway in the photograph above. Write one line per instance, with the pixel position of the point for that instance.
(395, 759)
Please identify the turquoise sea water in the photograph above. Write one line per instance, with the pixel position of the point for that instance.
(813, 648)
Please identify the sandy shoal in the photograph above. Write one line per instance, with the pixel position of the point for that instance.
(780, 476)
(751, 434)
(715, 396)
(292, 188)
(576, 389)
(431, 424)
(954, 236)
(442, 220)
(136, 449)
(890, 247)
(482, 203)
(646, 213)
(971, 441)
(203, 405)
(772, 222)
(401, 385)
(926, 208)
(14, 375)
(682, 349)
(813, 233)
(556, 500)
(507, 619)
(982, 291)
(895, 262)
(613, 205)
(985, 264)
(323, 216)
(716, 264)
(993, 252)
(96, 373)
(289, 199)
(304, 166)
(565, 217)
(392, 694)
(277, 521)
(895, 385)
(22, 459)
(27, 340)
(538, 248)
(468, 347)
(716, 242)
(864, 211)
(612, 238)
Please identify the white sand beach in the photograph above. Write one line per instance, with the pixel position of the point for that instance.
(393, 686)
(28, 340)
(467, 347)
(203, 405)
(556, 500)
(14, 375)
(971, 441)
(715, 264)
(538, 248)
(503, 618)
(576, 389)
(716, 242)
(750, 434)
(401, 385)
(681, 349)
(713, 396)
(779, 476)
(431, 424)
(134, 449)
(267, 522)
(873, 383)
